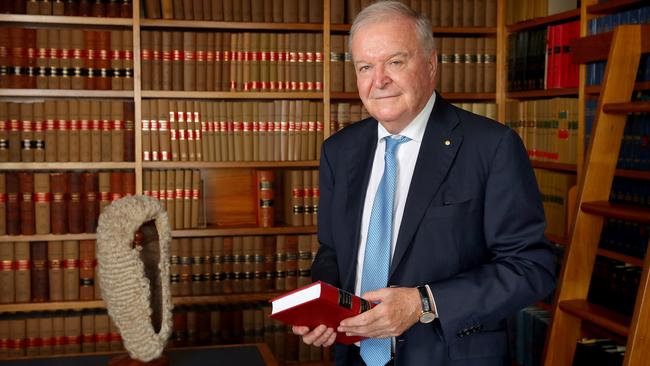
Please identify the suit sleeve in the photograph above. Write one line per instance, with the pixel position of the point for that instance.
(325, 267)
(522, 268)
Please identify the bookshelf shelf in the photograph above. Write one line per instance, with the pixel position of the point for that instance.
(436, 30)
(625, 108)
(566, 16)
(249, 230)
(553, 166)
(229, 95)
(557, 239)
(189, 24)
(595, 89)
(66, 20)
(634, 174)
(453, 97)
(597, 315)
(229, 164)
(547, 93)
(617, 211)
(66, 93)
(612, 6)
(67, 166)
(47, 237)
(620, 257)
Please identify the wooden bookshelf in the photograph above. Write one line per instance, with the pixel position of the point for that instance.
(246, 230)
(613, 6)
(546, 93)
(452, 97)
(47, 237)
(553, 166)
(228, 164)
(563, 17)
(595, 89)
(436, 30)
(65, 20)
(205, 24)
(633, 174)
(229, 95)
(66, 93)
(87, 166)
(598, 315)
(620, 257)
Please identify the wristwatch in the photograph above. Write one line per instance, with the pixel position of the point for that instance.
(427, 315)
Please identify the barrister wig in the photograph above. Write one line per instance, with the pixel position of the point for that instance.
(123, 283)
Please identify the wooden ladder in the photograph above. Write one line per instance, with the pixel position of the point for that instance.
(571, 307)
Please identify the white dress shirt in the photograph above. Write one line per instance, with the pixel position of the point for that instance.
(407, 154)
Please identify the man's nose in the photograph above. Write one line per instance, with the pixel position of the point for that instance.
(380, 78)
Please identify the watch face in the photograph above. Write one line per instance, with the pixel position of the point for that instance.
(427, 317)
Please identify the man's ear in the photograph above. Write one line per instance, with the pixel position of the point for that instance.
(433, 64)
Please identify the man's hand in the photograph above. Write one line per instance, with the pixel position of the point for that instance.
(319, 336)
(398, 309)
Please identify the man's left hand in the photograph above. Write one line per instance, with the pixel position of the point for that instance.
(398, 309)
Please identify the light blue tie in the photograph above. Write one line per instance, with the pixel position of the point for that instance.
(376, 352)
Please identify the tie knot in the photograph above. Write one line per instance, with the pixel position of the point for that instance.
(393, 141)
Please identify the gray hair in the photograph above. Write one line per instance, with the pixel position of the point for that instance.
(383, 10)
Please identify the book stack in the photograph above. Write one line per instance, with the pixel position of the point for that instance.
(66, 58)
(84, 8)
(301, 197)
(268, 11)
(224, 61)
(42, 271)
(179, 191)
(67, 130)
(283, 130)
(58, 203)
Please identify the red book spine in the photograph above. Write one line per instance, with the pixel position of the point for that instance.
(128, 183)
(75, 205)
(90, 201)
(117, 189)
(27, 218)
(59, 209)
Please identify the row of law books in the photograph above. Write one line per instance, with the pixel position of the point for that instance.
(57, 333)
(66, 59)
(301, 197)
(179, 192)
(518, 11)
(58, 203)
(466, 65)
(614, 285)
(554, 189)
(344, 114)
(267, 11)
(442, 13)
(42, 271)
(67, 130)
(282, 130)
(630, 192)
(626, 237)
(224, 61)
(240, 264)
(548, 128)
(84, 8)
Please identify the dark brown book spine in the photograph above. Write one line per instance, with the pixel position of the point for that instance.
(87, 265)
(156, 61)
(117, 131)
(39, 275)
(59, 209)
(39, 132)
(91, 46)
(42, 202)
(113, 9)
(27, 218)
(4, 128)
(75, 204)
(189, 61)
(177, 60)
(14, 132)
(90, 201)
(126, 9)
(3, 205)
(129, 131)
(128, 183)
(266, 196)
(103, 62)
(26, 133)
(79, 59)
(117, 187)
(99, 9)
(127, 59)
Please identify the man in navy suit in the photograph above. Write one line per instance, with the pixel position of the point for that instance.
(467, 245)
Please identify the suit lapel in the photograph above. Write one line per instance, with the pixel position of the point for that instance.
(433, 162)
(360, 158)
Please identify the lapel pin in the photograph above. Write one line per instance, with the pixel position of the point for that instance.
(447, 142)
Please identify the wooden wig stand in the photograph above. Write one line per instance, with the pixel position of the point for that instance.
(147, 239)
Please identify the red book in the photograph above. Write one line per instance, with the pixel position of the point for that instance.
(319, 303)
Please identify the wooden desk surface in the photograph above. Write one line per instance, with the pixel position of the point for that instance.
(257, 354)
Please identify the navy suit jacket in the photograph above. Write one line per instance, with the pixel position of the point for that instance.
(472, 228)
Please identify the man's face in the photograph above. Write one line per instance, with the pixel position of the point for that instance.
(395, 79)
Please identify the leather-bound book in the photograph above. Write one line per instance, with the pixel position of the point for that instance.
(173, 132)
(480, 65)
(490, 13)
(177, 60)
(152, 9)
(101, 333)
(304, 260)
(315, 11)
(14, 132)
(216, 266)
(58, 333)
(126, 9)
(23, 266)
(3, 204)
(85, 8)
(92, 55)
(319, 128)
(116, 65)
(247, 130)
(32, 337)
(146, 129)
(117, 132)
(201, 62)
(189, 61)
(75, 203)
(174, 267)
(470, 65)
(42, 201)
(85, 141)
(290, 11)
(103, 62)
(177, 6)
(237, 277)
(90, 201)
(178, 199)
(196, 253)
(129, 130)
(46, 335)
(128, 183)
(235, 61)
(349, 76)
(246, 11)
(55, 269)
(291, 265)
(196, 193)
(156, 61)
(226, 39)
(106, 111)
(32, 7)
(59, 209)
(185, 261)
(17, 58)
(26, 132)
(39, 132)
(87, 263)
(17, 337)
(166, 60)
(5, 59)
(280, 263)
(166, 9)
(41, 58)
(146, 57)
(447, 65)
(315, 196)
(310, 62)
(117, 185)
(70, 270)
(205, 272)
(4, 134)
(99, 9)
(188, 9)
(311, 131)
(205, 134)
(263, 62)
(336, 64)
(27, 218)
(95, 130)
(127, 60)
(489, 59)
(104, 190)
(170, 196)
(39, 275)
(72, 331)
(228, 261)
(266, 197)
(307, 198)
(7, 273)
(153, 131)
(187, 199)
(65, 7)
(74, 130)
(87, 332)
(113, 9)
(297, 198)
(79, 61)
(183, 149)
(62, 131)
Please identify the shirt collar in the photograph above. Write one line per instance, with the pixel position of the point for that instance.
(415, 129)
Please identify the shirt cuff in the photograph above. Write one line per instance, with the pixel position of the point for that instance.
(432, 301)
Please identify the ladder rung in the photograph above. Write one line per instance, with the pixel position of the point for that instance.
(617, 211)
(625, 108)
(598, 315)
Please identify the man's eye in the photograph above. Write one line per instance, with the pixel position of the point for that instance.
(364, 68)
(396, 62)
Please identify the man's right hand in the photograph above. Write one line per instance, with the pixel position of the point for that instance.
(319, 336)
